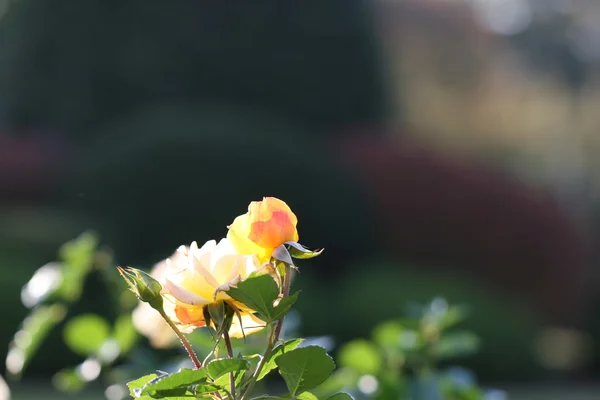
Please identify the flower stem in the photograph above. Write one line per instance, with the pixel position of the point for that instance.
(273, 337)
(230, 354)
(186, 344)
(286, 293)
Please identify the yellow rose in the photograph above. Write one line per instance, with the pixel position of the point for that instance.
(199, 277)
(267, 225)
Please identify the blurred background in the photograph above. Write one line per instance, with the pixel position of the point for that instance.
(433, 147)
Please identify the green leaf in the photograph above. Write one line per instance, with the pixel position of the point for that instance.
(78, 257)
(387, 334)
(68, 381)
(456, 344)
(298, 251)
(453, 316)
(80, 249)
(167, 396)
(282, 269)
(177, 380)
(307, 396)
(284, 306)
(410, 323)
(206, 387)
(221, 366)
(224, 381)
(267, 397)
(35, 328)
(341, 379)
(139, 383)
(277, 351)
(362, 356)
(305, 368)
(257, 292)
(124, 333)
(86, 333)
(340, 396)
(411, 340)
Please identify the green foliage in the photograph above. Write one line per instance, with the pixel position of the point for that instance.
(305, 368)
(177, 383)
(378, 367)
(284, 306)
(456, 344)
(298, 251)
(68, 381)
(301, 368)
(62, 284)
(221, 366)
(78, 260)
(259, 293)
(85, 334)
(34, 330)
(307, 396)
(353, 294)
(362, 356)
(340, 396)
(280, 349)
(102, 341)
(124, 333)
(138, 384)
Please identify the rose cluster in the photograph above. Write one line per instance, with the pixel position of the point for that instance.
(196, 279)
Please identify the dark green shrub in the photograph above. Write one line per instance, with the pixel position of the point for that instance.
(69, 65)
(170, 175)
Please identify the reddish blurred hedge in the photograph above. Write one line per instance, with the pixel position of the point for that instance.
(434, 210)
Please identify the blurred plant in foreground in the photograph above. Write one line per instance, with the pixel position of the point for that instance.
(239, 290)
(401, 360)
(52, 293)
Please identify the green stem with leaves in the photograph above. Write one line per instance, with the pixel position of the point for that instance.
(273, 337)
(186, 344)
(230, 354)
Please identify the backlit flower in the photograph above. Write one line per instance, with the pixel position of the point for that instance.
(267, 225)
(199, 277)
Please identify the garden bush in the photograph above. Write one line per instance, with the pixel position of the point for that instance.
(371, 292)
(63, 70)
(249, 288)
(150, 178)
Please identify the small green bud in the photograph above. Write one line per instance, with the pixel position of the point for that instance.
(221, 316)
(144, 286)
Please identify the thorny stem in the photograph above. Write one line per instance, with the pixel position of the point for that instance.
(186, 344)
(230, 354)
(273, 338)
(286, 293)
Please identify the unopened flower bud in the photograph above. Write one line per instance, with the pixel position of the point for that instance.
(144, 286)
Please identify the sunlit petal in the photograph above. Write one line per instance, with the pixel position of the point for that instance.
(184, 295)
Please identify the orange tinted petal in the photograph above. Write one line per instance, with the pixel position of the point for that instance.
(267, 224)
(273, 232)
(274, 204)
(190, 316)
